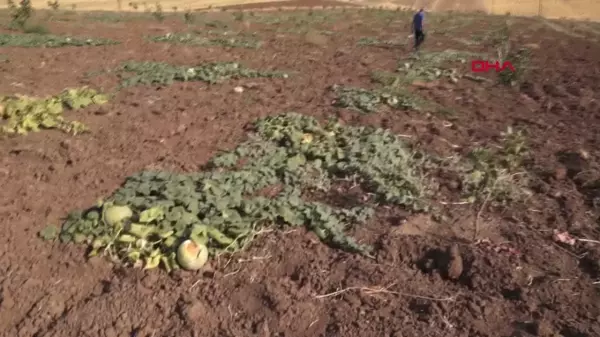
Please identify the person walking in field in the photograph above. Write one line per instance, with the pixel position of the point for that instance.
(417, 28)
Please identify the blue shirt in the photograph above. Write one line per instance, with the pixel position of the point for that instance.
(418, 21)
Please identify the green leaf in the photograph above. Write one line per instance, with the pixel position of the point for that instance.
(295, 162)
(49, 233)
(151, 214)
(288, 215)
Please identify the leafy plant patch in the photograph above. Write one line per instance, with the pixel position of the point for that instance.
(368, 101)
(146, 73)
(163, 218)
(49, 41)
(304, 30)
(521, 60)
(371, 41)
(23, 114)
(226, 33)
(495, 37)
(434, 65)
(192, 39)
(298, 19)
(494, 173)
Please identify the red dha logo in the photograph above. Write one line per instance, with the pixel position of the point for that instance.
(481, 66)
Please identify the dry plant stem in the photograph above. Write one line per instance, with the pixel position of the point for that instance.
(485, 202)
(195, 284)
(456, 203)
(483, 205)
(232, 273)
(385, 290)
(588, 240)
(454, 146)
(255, 258)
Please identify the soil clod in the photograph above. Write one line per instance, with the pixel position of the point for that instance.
(455, 262)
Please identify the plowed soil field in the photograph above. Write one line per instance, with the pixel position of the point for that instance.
(475, 265)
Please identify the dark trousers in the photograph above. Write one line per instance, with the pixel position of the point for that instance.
(419, 38)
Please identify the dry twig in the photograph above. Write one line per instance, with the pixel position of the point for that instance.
(483, 205)
(384, 290)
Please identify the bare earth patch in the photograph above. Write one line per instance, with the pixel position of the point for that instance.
(485, 266)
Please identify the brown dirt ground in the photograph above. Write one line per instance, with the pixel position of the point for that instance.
(536, 288)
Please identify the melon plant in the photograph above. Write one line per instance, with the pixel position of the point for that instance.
(160, 73)
(23, 114)
(173, 220)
